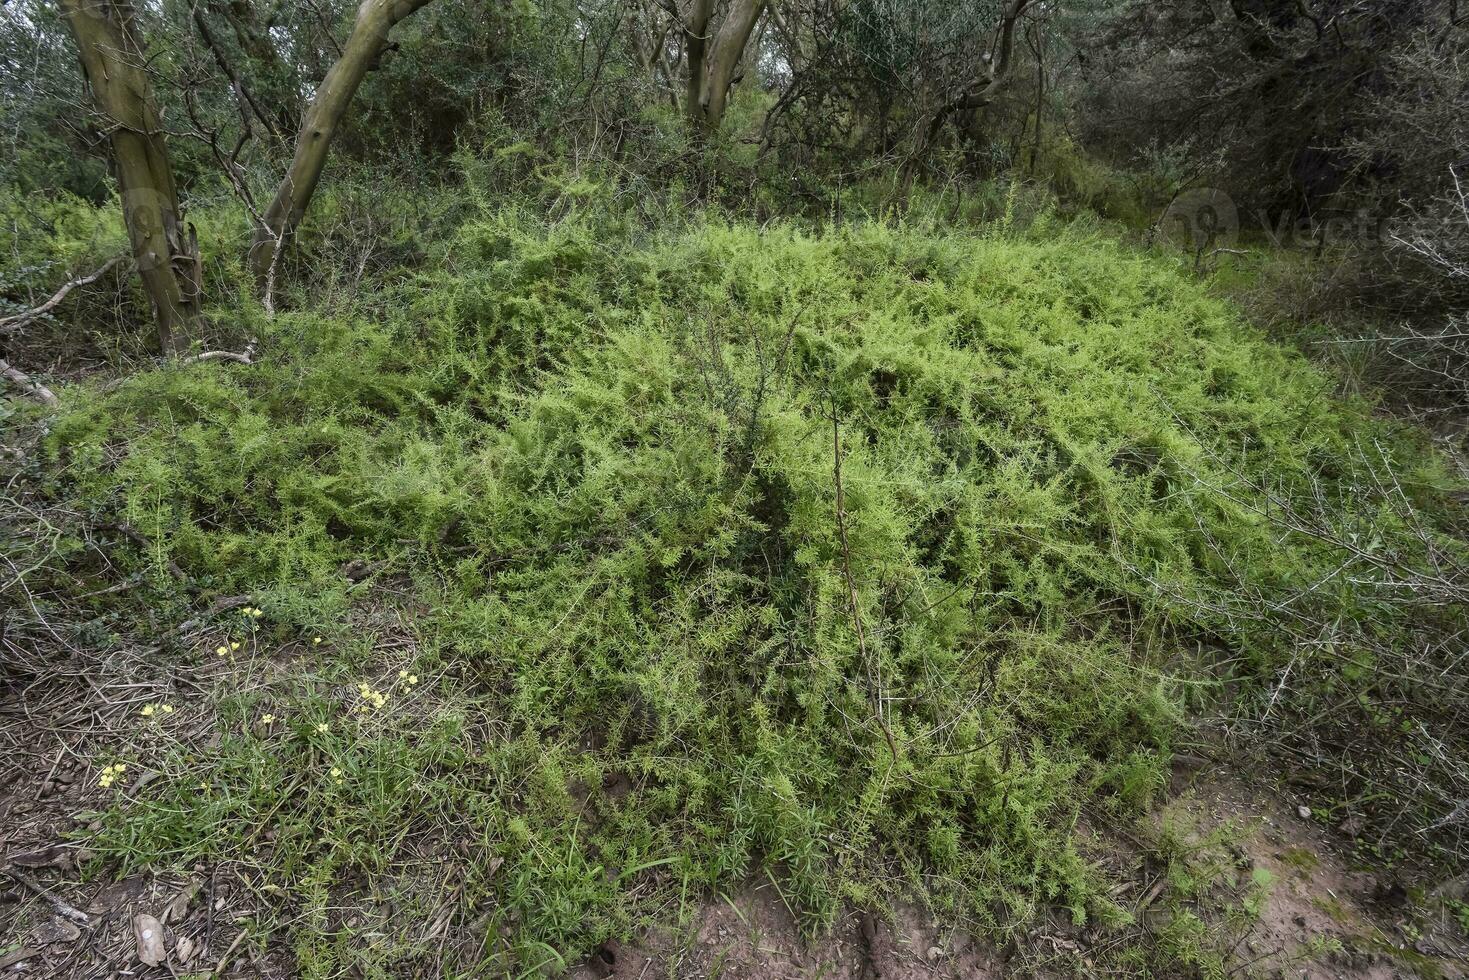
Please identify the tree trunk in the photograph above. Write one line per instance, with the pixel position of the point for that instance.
(729, 49)
(1038, 48)
(711, 67)
(979, 93)
(165, 249)
(375, 19)
(696, 44)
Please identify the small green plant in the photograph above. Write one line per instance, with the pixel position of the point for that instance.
(1460, 912)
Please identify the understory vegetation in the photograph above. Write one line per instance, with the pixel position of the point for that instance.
(609, 565)
(480, 483)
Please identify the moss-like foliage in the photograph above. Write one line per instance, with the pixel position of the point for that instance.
(601, 472)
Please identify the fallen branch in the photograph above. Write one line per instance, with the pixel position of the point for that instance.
(218, 355)
(225, 959)
(220, 605)
(24, 382)
(62, 909)
(18, 320)
(246, 356)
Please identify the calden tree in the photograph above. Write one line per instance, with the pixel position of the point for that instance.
(164, 246)
(366, 44)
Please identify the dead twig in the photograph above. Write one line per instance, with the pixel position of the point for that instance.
(17, 320)
(220, 605)
(246, 356)
(217, 355)
(62, 908)
(27, 384)
(224, 960)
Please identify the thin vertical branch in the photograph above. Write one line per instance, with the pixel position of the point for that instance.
(873, 668)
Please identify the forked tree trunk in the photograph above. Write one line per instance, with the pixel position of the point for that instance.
(989, 82)
(696, 44)
(711, 62)
(375, 19)
(165, 249)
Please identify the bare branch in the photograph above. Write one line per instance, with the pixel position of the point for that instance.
(16, 321)
(217, 355)
(25, 383)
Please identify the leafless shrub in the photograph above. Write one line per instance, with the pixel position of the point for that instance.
(1422, 359)
(1367, 694)
(1425, 368)
(1439, 239)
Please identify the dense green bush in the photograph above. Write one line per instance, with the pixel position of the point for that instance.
(601, 468)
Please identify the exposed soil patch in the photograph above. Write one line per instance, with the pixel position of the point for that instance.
(1316, 894)
(754, 935)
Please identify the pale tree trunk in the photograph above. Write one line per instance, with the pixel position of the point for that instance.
(375, 19)
(165, 250)
(710, 62)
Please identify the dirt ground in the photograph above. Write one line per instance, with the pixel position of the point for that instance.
(1317, 892)
(1315, 896)
(54, 922)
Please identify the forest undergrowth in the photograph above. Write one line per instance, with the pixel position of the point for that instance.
(612, 566)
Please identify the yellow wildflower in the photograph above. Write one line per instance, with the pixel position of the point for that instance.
(323, 727)
(268, 719)
(147, 711)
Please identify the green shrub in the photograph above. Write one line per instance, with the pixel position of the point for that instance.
(603, 465)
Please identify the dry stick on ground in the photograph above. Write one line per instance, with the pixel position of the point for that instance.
(224, 960)
(62, 908)
(841, 508)
(16, 321)
(246, 356)
(220, 605)
(24, 382)
(219, 355)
